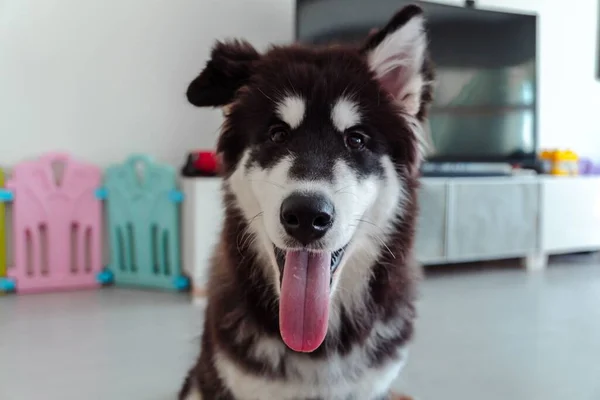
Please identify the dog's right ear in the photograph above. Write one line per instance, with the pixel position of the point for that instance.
(229, 68)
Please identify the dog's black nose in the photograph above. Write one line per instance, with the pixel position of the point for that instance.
(306, 217)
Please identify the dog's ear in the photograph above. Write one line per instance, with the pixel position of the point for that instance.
(229, 68)
(397, 55)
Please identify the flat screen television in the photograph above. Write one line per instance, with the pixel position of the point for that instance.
(485, 107)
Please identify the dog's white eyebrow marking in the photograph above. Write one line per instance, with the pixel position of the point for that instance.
(345, 114)
(291, 110)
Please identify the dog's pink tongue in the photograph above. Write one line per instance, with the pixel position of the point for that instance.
(304, 302)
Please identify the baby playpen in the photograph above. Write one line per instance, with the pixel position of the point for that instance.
(58, 227)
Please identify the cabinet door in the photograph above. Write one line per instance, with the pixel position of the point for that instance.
(202, 220)
(430, 241)
(570, 214)
(492, 219)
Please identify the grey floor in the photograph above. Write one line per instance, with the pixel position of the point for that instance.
(493, 333)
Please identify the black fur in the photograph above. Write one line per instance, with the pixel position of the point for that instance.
(228, 69)
(315, 76)
(397, 21)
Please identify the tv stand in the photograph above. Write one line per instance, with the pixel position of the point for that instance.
(461, 220)
(465, 169)
(471, 219)
(525, 217)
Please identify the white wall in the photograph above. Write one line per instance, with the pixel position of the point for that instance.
(569, 92)
(106, 78)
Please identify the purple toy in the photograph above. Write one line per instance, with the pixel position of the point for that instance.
(588, 167)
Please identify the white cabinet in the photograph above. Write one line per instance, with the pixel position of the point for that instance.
(201, 220)
(468, 219)
(522, 217)
(430, 241)
(492, 218)
(570, 210)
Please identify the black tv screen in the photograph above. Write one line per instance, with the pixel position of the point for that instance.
(485, 106)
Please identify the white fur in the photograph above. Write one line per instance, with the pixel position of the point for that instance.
(291, 110)
(423, 139)
(397, 62)
(269, 350)
(335, 378)
(345, 114)
(367, 244)
(194, 394)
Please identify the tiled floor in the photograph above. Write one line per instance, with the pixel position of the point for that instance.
(492, 334)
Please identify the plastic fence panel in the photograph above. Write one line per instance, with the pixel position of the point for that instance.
(56, 224)
(143, 221)
(2, 230)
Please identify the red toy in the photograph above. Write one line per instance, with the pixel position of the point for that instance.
(201, 163)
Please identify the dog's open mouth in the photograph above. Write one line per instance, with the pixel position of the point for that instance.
(336, 259)
(306, 278)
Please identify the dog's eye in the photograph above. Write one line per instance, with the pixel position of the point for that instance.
(355, 140)
(278, 133)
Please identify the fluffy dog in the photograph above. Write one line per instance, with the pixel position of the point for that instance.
(312, 289)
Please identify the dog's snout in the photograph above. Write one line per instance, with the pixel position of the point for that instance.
(306, 217)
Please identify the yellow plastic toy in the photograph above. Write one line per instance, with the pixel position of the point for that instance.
(560, 162)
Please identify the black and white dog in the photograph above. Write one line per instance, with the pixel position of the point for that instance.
(312, 288)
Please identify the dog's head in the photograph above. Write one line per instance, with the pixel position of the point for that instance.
(317, 147)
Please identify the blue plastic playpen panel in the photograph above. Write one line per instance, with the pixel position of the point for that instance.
(143, 221)
(4, 196)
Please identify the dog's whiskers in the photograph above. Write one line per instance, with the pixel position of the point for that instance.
(378, 237)
(245, 238)
(344, 188)
(292, 85)
(349, 193)
(264, 94)
(267, 181)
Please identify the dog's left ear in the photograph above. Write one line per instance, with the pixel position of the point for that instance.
(397, 55)
(229, 68)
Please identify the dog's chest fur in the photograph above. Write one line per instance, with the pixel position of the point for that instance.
(337, 377)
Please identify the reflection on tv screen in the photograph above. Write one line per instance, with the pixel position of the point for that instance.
(485, 92)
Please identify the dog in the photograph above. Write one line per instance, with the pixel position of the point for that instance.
(312, 286)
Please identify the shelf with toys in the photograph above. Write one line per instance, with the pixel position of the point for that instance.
(526, 215)
(565, 162)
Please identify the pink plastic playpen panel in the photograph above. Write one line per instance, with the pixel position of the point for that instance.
(56, 224)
